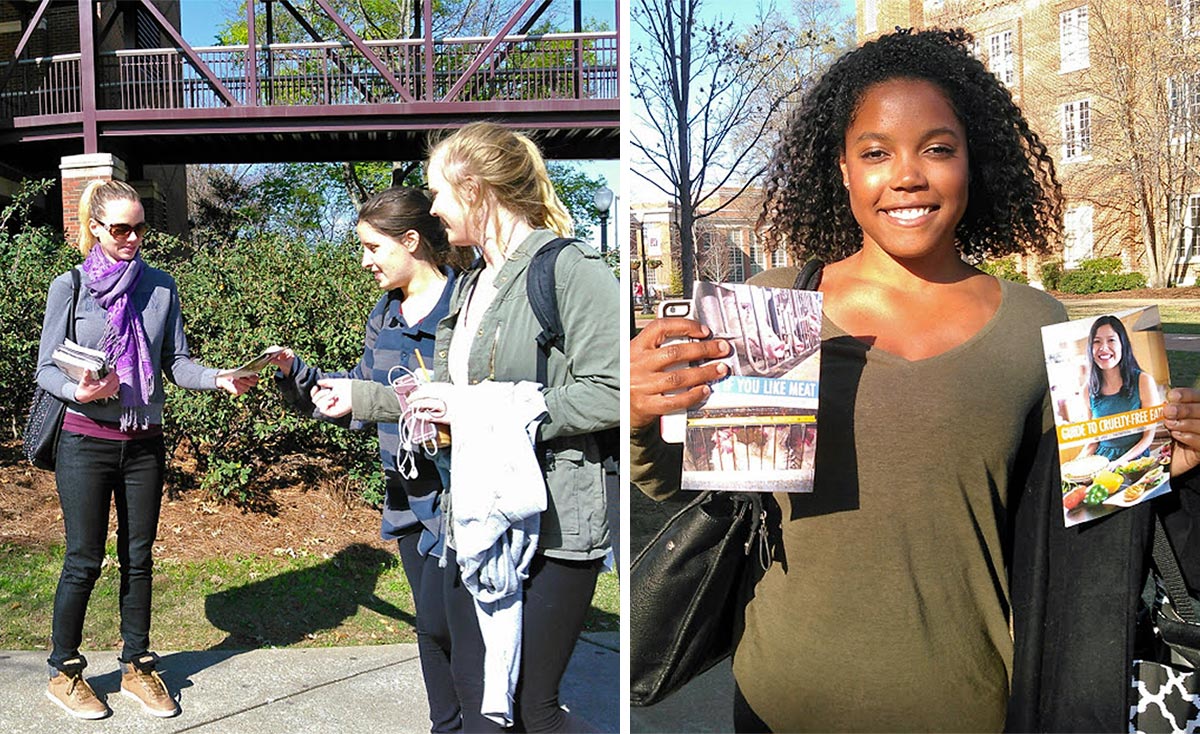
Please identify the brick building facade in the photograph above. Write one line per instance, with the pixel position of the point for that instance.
(727, 248)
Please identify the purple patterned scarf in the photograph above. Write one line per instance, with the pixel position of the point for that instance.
(111, 285)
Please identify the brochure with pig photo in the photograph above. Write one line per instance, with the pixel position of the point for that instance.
(758, 429)
(1108, 381)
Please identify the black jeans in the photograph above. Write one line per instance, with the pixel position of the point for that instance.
(433, 635)
(557, 596)
(90, 472)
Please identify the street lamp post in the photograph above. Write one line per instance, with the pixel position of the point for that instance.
(645, 276)
(603, 200)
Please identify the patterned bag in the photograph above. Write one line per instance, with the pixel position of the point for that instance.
(1166, 693)
(39, 441)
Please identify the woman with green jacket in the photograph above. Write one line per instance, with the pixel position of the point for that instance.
(491, 191)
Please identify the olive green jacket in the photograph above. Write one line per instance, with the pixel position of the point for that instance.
(584, 386)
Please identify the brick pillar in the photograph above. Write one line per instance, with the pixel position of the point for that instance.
(77, 171)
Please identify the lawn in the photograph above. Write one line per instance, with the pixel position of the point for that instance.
(358, 596)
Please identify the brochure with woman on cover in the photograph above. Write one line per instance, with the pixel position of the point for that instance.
(758, 429)
(1108, 381)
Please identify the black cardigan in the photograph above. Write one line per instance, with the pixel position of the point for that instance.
(1075, 597)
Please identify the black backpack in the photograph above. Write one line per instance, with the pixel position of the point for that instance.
(539, 289)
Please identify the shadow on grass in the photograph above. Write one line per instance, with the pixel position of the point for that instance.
(285, 609)
(279, 611)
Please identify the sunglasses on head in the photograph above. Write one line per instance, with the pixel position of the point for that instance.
(122, 231)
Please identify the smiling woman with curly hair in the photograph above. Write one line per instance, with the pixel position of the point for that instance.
(1013, 196)
(899, 580)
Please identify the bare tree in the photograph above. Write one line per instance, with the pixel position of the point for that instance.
(709, 94)
(715, 252)
(1143, 82)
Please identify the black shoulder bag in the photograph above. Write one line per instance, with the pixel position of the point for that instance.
(40, 439)
(687, 585)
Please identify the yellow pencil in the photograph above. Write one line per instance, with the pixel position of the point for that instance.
(421, 362)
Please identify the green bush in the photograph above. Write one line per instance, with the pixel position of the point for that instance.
(32, 257)
(1099, 275)
(239, 299)
(1051, 273)
(674, 280)
(1006, 269)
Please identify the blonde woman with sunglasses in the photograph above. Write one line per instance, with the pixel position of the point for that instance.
(111, 446)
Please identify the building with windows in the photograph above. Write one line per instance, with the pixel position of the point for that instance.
(728, 250)
(1121, 133)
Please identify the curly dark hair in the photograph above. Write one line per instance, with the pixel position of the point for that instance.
(1014, 199)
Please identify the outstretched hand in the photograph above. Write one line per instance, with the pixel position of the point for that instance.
(283, 360)
(1182, 417)
(237, 385)
(332, 397)
(656, 369)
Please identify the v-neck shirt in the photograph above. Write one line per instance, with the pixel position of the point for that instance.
(890, 610)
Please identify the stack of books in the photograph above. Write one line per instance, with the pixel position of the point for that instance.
(77, 361)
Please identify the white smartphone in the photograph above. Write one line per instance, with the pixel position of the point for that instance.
(673, 425)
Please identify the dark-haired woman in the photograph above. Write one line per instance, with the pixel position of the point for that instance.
(405, 249)
(111, 447)
(491, 190)
(932, 525)
(1117, 384)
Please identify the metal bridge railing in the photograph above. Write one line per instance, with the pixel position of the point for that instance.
(561, 66)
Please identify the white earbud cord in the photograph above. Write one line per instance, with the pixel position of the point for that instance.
(415, 431)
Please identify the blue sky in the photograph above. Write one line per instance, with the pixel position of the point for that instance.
(200, 19)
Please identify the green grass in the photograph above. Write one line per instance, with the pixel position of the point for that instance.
(357, 597)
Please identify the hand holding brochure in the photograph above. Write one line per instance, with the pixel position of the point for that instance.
(758, 429)
(1108, 382)
(255, 365)
(76, 361)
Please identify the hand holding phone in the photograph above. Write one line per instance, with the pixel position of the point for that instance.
(673, 425)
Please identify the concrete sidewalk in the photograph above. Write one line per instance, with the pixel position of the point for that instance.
(312, 690)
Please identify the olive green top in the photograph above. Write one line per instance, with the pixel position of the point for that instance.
(887, 606)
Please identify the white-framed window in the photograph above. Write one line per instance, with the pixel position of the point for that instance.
(737, 268)
(1001, 59)
(1184, 15)
(870, 16)
(1078, 242)
(1073, 39)
(1189, 243)
(778, 257)
(1076, 129)
(755, 250)
(1183, 103)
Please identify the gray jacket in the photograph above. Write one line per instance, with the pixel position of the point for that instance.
(583, 394)
(157, 300)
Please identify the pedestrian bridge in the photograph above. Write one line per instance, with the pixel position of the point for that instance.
(335, 99)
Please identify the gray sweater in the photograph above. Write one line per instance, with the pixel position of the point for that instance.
(157, 300)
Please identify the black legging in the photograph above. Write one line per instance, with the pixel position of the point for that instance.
(558, 594)
(433, 634)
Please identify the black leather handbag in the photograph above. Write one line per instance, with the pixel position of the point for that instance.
(688, 584)
(686, 591)
(40, 438)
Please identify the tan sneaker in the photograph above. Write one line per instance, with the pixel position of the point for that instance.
(73, 694)
(146, 687)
